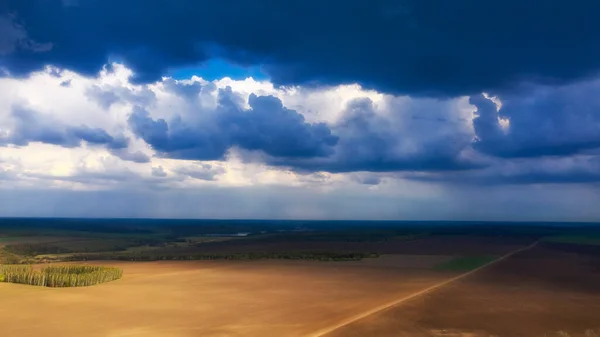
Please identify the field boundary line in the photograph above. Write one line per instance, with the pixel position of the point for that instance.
(398, 301)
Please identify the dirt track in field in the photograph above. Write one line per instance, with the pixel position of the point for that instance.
(184, 299)
(535, 293)
(538, 291)
(395, 302)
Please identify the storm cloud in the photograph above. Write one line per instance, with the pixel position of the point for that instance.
(483, 109)
(107, 95)
(267, 126)
(31, 126)
(441, 48)
(421, 135)
(583, 169)
(201, 171)
(540, 121)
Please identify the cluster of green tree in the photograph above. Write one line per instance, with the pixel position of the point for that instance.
(338, 236)
(108, 245)
(10, 272)
(8, 258)
(59, 276)
(155, 256)
(32, 249)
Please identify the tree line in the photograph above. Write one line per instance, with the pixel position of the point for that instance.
(156, 256)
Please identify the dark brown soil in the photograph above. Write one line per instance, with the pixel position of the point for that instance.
(538, 292)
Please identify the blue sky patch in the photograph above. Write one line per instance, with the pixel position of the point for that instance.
(216, 69)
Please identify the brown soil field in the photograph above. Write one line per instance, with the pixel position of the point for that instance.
(460, 245)
(210, 298)
(535, 293)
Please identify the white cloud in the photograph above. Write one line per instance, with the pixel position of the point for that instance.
(53, 178)
(74, 105)
(414, 122)
(65, 97)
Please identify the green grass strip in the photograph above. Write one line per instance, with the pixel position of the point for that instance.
(464, 263)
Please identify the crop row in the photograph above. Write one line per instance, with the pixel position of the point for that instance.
(59, 276)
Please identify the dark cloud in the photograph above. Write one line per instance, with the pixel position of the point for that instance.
(108, 95)
(316, 178)
(200, 171)
(418, 135)
(158, 172)
(396, 141)
(366, 179)
(569, 177)
(31, 126)
(98, 136)
(568, 170)
(267, 126)
(188, 91)
(136, 157)
(104, 98)
(426, 47)
(11, 36)
(14, 38)
(543, 121)
(65, 84)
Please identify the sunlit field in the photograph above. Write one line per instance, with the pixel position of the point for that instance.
(209, 299)
(328, 280)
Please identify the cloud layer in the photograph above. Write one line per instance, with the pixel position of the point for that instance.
(442, 106)
(477, 140)
(31, 126)
(542, 121)
(433, 48)
(267, 126)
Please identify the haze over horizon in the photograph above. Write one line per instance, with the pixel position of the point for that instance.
(383, 110)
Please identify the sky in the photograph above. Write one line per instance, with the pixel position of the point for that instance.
(264, 109)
